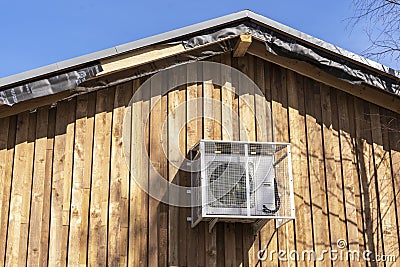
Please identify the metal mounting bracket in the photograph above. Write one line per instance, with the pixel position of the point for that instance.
(211, 224)
(258, 225)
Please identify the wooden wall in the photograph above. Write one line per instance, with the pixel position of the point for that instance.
(66, 197)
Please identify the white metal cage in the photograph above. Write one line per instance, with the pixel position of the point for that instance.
(241, 181)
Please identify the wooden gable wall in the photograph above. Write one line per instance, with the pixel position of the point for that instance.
(66, 197)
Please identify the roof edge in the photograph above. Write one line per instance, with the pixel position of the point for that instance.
(123, 48)
(191, 29)
(322, 44)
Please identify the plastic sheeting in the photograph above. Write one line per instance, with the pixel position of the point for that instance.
(219, 41)
(52, 85)
(208, 44)
(202, 53)
(283, 45)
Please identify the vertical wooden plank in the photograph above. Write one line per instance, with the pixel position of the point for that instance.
(239, 244)
(235, 102)
(356, 184)
(45, 229)
(118, 208)
(208, 113)
(286, 235)
(387, 210)
(298, 140)
(234, 106)
(248, 132)
(138, 199)
(220, 244)
(279, 104)
(394, 143)
(4, 184)
(97, 247)
(246, 100)
(144, 197)
(330, 129)
(230, 242)
(27, 187)
(176, 145)
(87, 181)
(14, 219)
(183, 224)
(75, 237)
(174, 99)
(269, 237)
(155, 163)
(372, 230)
(38, 187)
(316, 170)
(217, 116)
(280, 119)
(194, 108)
(177, 152)
(262, 103)
(227, 113)
(390, 230)
(7, 143)
(17, 240)
(263, 121)
(83, 147)
(61, 183)
(188, 254)
(349, 170)
(158, 212)
(250, 246)
(67, 178)
(227, 99)
(208, 133)
(195, 236)
(201, 254)
(163, 207)
(216, 96)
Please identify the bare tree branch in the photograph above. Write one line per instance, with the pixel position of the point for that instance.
(382, 26)
(393, 2)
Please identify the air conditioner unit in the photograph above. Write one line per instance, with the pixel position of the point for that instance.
(241, 182)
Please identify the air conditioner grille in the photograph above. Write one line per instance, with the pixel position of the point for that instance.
(227, 182)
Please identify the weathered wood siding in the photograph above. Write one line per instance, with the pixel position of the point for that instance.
(66, 197)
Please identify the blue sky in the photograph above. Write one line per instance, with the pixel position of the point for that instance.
(41, 32)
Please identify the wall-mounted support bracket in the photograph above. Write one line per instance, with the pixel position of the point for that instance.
(211, 224)
(258, 225)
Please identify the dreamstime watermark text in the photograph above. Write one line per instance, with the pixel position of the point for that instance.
(339, 254)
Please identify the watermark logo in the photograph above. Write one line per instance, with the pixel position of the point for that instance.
(152, 90)
(330, 254)
(341, 243)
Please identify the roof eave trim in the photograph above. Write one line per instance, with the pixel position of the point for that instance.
(117, 50)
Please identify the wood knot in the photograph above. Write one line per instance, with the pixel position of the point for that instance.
(75, 211)
(95, 213)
